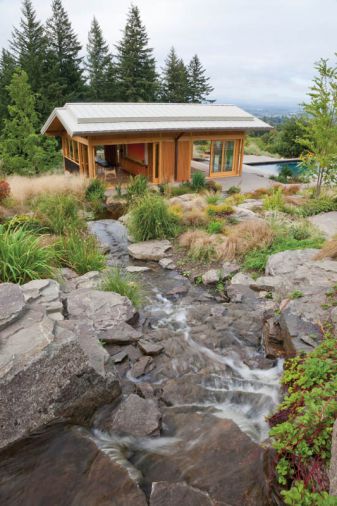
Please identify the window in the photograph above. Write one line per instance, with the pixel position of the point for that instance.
(222, 157)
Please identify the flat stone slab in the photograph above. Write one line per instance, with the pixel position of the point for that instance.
(326, 223)
(47, 293)
(137, 416)
(12, 303)
(122, 334)
(167, 263)
(149, 250)
(149, 348)
(136, 269)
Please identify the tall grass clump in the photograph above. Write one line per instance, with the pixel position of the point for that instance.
(58, 212)
(150, 218)
(137, 187)
(80, 252)
(28, 188)
(198, 181)
(125, 284)
(95, 196)
(23, 258)
(275, 201)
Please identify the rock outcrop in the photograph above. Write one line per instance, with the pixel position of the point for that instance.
(49, 369)
(149, 250)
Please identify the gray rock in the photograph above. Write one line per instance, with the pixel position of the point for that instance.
(137, 416)
(167, 263)
(47, 293)
(12, 303)
(150, 348)
(326, 223)
(121, 334)
(107, 310)
(67, 273)
(241, 279)
(136, 269)
(142, 366)
(287, 262)
(169, 494)
(267, 283)
(91, 279)
(119, 357)
(149, 250)
(50, 370)
(145, 390)
(244, 214)
(229, 269)
(250, 204)
(333, 316)
(211, 277)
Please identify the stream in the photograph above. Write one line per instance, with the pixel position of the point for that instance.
(213, 387)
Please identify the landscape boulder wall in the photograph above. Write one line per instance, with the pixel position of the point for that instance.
(49, 370)
(299, 324)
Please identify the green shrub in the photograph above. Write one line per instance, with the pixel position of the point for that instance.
(150, 218)
(275, 201)
(95, 190)
(125, 284)
(301, 428)
(23, 258)
(198, 181)
(213, 198)
(26, 222)
(137, 187)
(183, 188)
(233, 189)
(215, 227)
(318, 205)
(296, 294)
(220, 209)
(80, 252)
(58, 212)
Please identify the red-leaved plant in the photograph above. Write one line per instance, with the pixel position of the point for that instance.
(4, 190)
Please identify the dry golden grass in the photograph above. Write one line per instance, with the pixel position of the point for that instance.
(25, 188)
(195, 238)
(260, 192)
(195, 217)
(243, 237)
(291, 189)
(329, 250)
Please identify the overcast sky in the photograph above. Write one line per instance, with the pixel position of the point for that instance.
(255, 51)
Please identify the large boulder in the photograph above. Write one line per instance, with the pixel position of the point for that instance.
(62, 466)
(149, 250)
(134, 416)
(12, 303)
(107, 310)
(49, 370)
(47, 293)
(326, 223)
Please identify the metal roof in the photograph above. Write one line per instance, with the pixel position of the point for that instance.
(100, 118)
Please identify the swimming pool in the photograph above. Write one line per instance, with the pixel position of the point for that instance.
(274, 168)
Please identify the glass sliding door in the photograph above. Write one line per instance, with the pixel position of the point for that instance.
(222, 158)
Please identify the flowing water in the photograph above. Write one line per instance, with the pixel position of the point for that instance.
(211, 373)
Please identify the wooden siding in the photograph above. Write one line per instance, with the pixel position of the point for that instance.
(184, 160)
(134, 167)
(167, 162)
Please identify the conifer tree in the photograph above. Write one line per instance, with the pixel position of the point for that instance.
(101, 75)
(28, 47)
(64, 57)
(22, 150)
(136, 66)
(175, 85)
(7, 68)
(198, 83)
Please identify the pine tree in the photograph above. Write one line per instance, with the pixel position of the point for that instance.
(101, 75)
(136, 66)
(64, 57)
(28, 47)
(7, 68)
(198, 82)
(175, 86)
(22, 150)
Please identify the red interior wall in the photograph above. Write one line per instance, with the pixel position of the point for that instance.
(136, 152)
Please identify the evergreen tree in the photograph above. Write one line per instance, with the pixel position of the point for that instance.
(198, 82)
(22, 150)
(64, 58)
(101, 72)
(7, 68)
(28, 47)
(136, 66)
(175, 85)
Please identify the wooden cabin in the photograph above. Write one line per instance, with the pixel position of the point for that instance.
(153, 139)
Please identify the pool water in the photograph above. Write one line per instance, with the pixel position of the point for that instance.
(274, 169)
